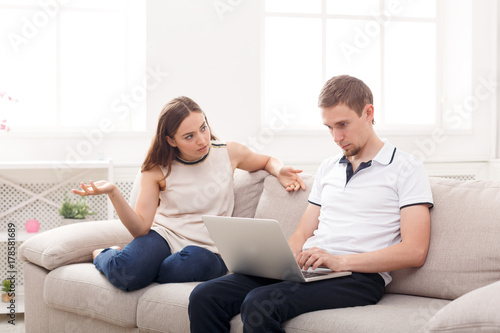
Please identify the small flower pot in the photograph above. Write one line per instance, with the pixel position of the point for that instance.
(6, 298)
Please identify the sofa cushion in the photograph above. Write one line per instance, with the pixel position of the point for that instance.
(464, 252)
(81, 289)
(73, 243)
(163, 308)
(247, 190)
(477, 310)
(285, 207)
(394, 313)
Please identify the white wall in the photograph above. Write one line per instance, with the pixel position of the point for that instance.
(497, 138)
(217, 61)
(211, 59)
(215, 58)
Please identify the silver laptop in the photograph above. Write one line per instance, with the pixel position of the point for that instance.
(258, 247)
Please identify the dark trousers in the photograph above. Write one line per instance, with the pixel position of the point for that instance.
(148, 259)
(266, 303)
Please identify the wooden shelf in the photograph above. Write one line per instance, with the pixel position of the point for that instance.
(21, 236)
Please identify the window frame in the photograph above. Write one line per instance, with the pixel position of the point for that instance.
(130, 81)
(381, 128)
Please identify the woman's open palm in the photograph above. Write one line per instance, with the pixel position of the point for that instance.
(97, 188)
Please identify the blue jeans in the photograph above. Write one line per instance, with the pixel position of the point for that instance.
(266, 303)
(148, 259)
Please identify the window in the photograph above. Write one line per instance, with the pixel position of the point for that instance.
(395, 46)
(73, 64)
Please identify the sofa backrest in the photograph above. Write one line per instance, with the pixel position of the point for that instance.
(260, 195)
(285, 207)
(248, 188)
(464, 252)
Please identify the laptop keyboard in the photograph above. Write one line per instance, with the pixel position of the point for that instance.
(309, 274)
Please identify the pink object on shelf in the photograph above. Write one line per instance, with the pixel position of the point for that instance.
(32, 225)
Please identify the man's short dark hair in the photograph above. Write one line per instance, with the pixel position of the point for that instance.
(348, 90)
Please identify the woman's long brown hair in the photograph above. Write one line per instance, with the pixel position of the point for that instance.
(160, 152)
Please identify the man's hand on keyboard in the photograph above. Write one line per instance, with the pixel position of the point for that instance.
(316, 257)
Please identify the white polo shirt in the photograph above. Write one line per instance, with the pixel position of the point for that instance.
(360, 212)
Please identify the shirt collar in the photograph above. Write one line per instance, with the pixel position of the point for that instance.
(180, 160)
(384, 156)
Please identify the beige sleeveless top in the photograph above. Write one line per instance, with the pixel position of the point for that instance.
(193, 189)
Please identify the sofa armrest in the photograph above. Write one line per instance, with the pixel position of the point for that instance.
(472, 312)
(73, 243)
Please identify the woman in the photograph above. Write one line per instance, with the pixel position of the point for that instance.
(187, 173)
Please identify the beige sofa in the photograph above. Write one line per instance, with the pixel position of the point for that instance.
(457, 290)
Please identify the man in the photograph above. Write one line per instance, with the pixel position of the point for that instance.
(368, 213)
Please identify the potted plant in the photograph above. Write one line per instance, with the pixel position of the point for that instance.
(6, 284)
(74, 210)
